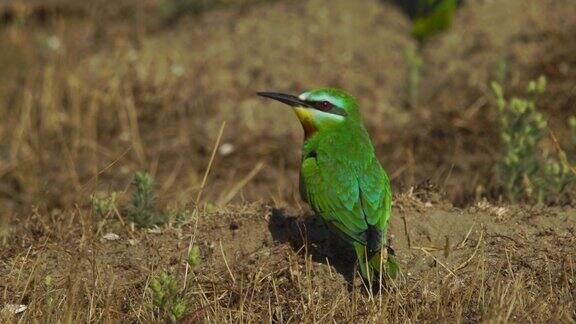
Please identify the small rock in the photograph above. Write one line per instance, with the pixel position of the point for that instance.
(177, 70)
(111, 237)
(54, 43)
(133, 241)
(155, 230)
(226, 149)
(15, 308)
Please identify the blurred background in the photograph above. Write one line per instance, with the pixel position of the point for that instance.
(94, 91)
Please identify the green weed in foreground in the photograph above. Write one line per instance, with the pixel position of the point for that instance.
(143, 211)
(523, 171)
(167, 297)
(48, 292)
(102, 206)
(193, 258)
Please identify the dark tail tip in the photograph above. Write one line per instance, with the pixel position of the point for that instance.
(373, 237)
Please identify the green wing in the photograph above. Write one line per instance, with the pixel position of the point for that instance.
(323, 198)
(376, 195)
(323, 192)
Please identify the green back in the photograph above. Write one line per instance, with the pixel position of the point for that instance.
(342, 179)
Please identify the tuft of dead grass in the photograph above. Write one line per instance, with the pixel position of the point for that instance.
(254, 269)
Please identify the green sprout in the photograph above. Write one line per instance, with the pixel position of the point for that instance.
(143, 211)
(167, 297)
(193, 258)
(177, 310)
(48, 286)
(102, 206)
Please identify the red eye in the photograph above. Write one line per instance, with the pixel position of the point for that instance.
(325, 105)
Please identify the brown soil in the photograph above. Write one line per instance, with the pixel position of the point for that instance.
(485, 262)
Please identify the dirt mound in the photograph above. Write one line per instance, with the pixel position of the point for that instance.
(487, 262)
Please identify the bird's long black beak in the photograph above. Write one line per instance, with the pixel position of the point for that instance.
(285, 98)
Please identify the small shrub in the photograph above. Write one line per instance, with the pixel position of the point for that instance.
(102, 206)
(143, 211)
(167, 297)
(522, 170)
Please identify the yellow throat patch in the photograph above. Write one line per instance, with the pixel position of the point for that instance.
(307, 120)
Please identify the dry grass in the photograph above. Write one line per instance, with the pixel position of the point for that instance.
(251, 274)
(89, 96)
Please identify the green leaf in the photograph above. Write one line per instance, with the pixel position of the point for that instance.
(193, 256)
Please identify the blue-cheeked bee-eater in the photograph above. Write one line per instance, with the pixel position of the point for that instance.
(341, 178)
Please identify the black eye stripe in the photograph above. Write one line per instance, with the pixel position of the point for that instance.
(323, 105)
(338, 111)
(326, 106)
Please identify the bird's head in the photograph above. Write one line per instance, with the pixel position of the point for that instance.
(320, 109)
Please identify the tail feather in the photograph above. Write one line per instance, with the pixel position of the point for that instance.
(370, 263)
(365, 269)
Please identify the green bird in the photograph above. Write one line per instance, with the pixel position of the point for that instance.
(340, 176)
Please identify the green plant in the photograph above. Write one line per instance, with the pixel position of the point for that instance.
(433, 16)
(193, 258)
(572, 125)
(522, 170)
(143, 211)
(103, 205)
(48, 290)
(414, 63)
(167, 297)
